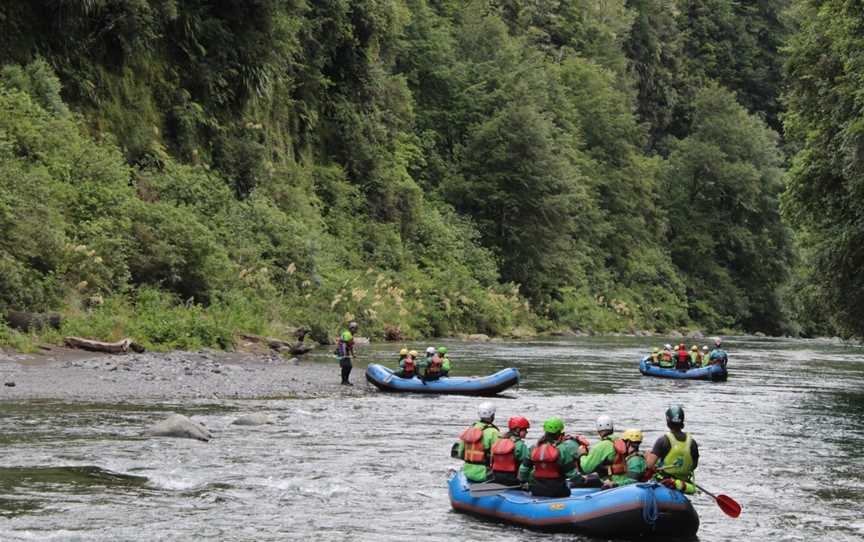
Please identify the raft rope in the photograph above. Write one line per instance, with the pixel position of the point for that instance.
(649, 504)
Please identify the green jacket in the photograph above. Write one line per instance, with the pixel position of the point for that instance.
(600, 453)
(445, 364)
(422, 363)
(568, 455)
(636, 467)
(694, 360)
(475, 472)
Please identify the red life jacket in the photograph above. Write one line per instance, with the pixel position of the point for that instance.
(409, 365)
(504, 455)
(683, 356)
(434, 367)
(474, 452)
(545, 459)
(619, 464)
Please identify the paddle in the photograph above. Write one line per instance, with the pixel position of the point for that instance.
(726, 503)
(486, 489)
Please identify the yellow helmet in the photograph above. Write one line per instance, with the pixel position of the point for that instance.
(413, 353)
(633, 435)
(694, 349)
(655, 351)
(403, 352)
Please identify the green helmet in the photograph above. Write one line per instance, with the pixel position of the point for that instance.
(553, 425)
(442, 349)
(675, 415)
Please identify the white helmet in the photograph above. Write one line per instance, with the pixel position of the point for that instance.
(430, 350)
(717, 341)
(667, 346)
(486, 410)
(604, 423)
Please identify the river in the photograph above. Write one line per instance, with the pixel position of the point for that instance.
(783, 436)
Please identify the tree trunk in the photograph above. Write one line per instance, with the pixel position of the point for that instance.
(120, 347)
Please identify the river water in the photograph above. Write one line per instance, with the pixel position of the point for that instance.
(783, 437)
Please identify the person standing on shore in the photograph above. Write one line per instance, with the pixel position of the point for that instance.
(345, 352)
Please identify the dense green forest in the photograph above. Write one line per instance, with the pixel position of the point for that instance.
(179, 171)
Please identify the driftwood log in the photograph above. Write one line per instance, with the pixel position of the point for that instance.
(120, 347)
(25, 321)
(295, 349)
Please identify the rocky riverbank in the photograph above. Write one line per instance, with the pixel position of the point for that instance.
(66, 374)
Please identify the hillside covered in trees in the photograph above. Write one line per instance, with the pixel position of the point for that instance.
(181, 170)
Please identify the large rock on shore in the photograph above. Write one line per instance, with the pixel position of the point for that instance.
(257, 418)
(179, 426)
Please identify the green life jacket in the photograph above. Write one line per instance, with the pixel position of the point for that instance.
(679, 453)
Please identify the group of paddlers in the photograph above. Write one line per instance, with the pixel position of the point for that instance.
(432, 366)
(559, 461)
(681, 359)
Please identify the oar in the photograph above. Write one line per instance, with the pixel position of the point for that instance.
(486, 489)
(726, 503)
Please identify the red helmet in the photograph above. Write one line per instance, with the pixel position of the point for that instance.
(518, 422)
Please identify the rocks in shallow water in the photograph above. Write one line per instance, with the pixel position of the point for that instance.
(695, 334)
(257, 418)
(179, 426)
(479, 337)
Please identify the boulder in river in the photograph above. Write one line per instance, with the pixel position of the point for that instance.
(179, 426)
(257, 418)
(695, 334)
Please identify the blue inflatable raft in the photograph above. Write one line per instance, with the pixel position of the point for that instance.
(716, 373)
(384, 379)
(628, 511)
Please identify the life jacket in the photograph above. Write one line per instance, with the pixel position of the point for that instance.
(683, 356)
(666, 359)
(619, 464)
(504, 455)
(408, 365)
(545, 459)
(679, 452)
(434, 366)
(472, 439)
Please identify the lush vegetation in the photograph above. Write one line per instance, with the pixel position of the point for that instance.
(181, 171)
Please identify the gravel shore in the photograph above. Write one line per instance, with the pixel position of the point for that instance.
(66, 374)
